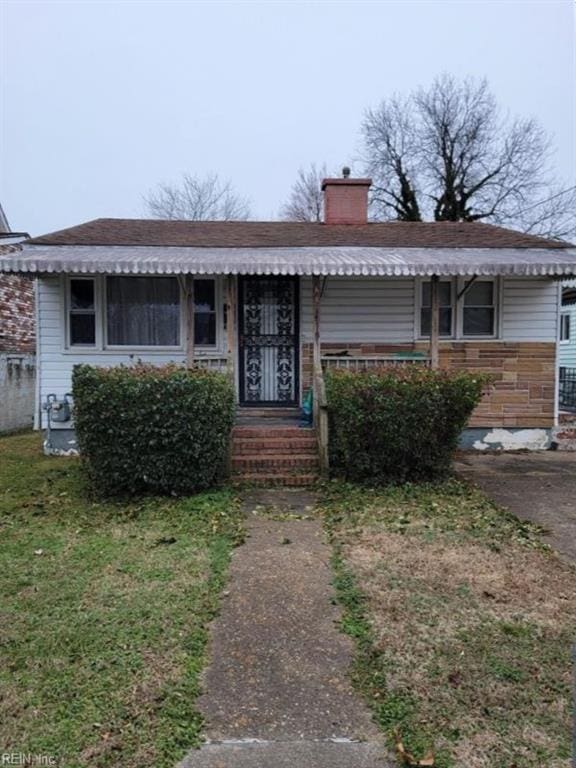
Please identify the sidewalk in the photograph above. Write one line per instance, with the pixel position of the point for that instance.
(277, 691)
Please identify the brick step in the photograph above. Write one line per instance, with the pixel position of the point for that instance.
(268, 413)
(284, 432)
(267, 480)
(274, 463)
(260, 445)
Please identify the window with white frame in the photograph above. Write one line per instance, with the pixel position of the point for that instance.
(445, 295)
(82, 312)
(473, 316)
(142, 311)
(479, 309)
(565, 327)
(204, 313)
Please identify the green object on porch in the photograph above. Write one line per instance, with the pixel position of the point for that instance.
(307, 406)
(410, 355)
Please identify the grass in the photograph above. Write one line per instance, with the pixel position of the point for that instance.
(463, 621)
(103, 613)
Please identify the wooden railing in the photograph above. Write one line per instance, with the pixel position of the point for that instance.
(358, 363)
(216, 363)
(320, 413)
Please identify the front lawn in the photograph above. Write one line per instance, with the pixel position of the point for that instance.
(464, 623)
(103, 613)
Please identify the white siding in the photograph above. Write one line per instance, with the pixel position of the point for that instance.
(529, 310)
(567, 352)
(56, 362)
(361, 310)
(383, 310)
(371, 310)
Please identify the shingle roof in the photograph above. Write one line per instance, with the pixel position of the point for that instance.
(279, 234)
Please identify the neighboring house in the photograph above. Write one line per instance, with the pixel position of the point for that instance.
(567, 347)
(271, 297)
(17, 339)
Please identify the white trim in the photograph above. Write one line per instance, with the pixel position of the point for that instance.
(37, 402)
(557, 358)
(457, 332)
(68, 311)
(496, 305)
(102, 347)
(118, 348)
(568, 315)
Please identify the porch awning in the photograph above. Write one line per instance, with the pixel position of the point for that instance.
(324, 261)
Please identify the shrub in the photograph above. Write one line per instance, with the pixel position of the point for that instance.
(398, 424)
(152, 429)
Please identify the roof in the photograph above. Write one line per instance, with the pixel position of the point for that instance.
(144, 246)
(345, 261)
(282, 234)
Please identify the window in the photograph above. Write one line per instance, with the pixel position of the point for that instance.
(445, 296)
(478, 311)
(204, 313)
(143, 311)
(82, 313)
(565, 327)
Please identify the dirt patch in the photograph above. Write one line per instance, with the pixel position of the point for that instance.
(470, 626)
(463, 629)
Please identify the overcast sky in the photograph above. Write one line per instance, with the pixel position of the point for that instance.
(102, 100)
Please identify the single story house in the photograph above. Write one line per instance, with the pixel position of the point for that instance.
(274, 302)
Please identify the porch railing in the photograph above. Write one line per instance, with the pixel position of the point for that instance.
(320, 415)
(567, 388)
(216, 363)
(362, 362)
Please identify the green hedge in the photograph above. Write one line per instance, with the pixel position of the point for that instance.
(398, 424)
(149, 429)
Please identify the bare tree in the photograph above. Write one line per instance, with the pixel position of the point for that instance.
(449, 154)
(306, 201)
(198, 199)
(554, 216)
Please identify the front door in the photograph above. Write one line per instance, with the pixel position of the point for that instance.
(268, 330)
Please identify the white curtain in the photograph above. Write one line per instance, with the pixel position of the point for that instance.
(143, 311)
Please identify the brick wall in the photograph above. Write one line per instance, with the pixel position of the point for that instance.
(17, 332)
(524, 376)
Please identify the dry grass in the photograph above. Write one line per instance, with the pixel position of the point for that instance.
(465, 624)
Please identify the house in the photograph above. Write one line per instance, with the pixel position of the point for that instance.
(17, 338)
(274, 303)
(567, 348)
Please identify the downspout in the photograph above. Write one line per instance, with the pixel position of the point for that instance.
(37, 389)
(557, 356)
(434, 321)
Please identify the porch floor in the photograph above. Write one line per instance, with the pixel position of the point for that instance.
(268, 417)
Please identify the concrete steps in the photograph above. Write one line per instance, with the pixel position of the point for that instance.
(269, 449)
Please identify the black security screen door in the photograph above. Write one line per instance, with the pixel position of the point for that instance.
(268, 327)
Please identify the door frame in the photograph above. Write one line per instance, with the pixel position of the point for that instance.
(295, 280)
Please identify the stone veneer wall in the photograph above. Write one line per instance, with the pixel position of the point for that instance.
(17, 352)
(523, 391)
(17, 331)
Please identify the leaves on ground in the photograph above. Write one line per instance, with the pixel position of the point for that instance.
(463, 620)
(103, 632)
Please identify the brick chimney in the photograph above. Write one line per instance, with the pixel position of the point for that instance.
(346, 199)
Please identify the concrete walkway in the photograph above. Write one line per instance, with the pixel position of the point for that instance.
(277, 692)
(539, 487)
